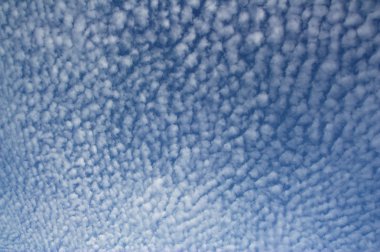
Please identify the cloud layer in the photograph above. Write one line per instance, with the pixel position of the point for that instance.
(195, 125)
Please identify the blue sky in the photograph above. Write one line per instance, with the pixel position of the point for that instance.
(189, 126)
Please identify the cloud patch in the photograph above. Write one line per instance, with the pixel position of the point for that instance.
(204, 126)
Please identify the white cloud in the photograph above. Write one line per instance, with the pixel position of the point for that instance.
(255, 38)
(266, 130)
(119, 18)
(262, 99)
(142, 15)
(80, 24)
(276, 31)
(208, 125)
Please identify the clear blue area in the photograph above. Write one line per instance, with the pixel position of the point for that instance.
(190, 126)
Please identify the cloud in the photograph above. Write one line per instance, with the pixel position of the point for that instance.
(205, 126)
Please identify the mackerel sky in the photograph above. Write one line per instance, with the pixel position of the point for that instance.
(190, 125)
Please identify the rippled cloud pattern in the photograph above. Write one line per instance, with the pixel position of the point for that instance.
(190, 125)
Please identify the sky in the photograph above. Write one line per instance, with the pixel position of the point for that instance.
(190, 125)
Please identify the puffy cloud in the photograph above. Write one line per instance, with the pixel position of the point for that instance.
(200, 126)
(255, 38)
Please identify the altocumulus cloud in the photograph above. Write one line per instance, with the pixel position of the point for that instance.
(190, 125)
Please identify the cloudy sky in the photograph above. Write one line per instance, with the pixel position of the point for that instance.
(190, 125)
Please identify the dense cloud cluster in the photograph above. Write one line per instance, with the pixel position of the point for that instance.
(190, 125)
